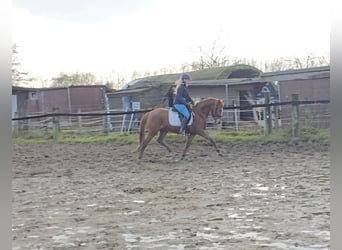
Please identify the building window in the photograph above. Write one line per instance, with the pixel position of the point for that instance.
(33, 95)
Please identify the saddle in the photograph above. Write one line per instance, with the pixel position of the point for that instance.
(174, 117)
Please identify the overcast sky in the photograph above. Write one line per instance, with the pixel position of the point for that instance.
(125, 35)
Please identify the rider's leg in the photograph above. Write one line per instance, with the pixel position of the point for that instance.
(184, 122)
(184, 117)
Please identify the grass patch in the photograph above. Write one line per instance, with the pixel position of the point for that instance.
(75, 138)
(281, 135)
(312, 134)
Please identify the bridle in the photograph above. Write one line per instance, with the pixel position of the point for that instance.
(218, 112)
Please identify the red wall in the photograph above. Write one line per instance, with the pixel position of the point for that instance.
(85, 98)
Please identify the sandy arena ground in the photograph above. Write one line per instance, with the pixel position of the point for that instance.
(99, 196)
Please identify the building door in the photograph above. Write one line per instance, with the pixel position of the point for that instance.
(14, 109)
(246, 114)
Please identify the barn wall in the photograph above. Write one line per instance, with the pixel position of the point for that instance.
(22, 102)
(148, 98)
(43, 101)
(86, 99)
(312, 89)
(152, 98)
(308, 90)
(22, 99)
(200, 92)
(71, 99)
(116, 100)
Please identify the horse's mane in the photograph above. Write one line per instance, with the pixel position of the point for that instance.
(203, 100)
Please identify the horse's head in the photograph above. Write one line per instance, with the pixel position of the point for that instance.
(217, 111)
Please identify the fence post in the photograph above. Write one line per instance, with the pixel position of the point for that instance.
(55, 123)
(104, 125)
(295, 115)
(235, 117)
(16, 124)
(79, 120)
(276, 117)
(267, 115)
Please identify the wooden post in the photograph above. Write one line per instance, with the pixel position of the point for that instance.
(79, 120)
(16, 124)
(55, 123)
(130, 124)
(267, 115)
(295, 115)
(236, 117)
(104, 125)
(276, 117)
(105, 108)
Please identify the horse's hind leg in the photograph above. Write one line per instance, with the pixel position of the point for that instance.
(145, 143)
(160, 140)
(187, 145)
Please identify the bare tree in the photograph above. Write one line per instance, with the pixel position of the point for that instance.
(166, 70)
(244, 60)
(41, 82)
(65, 80)
(146, 73)
(215, 56)
(312, 60)
(186, 67)
(323, 60)
(116, 80)
(294, 62)
(61, 80)
(136, 74)
(20, 77)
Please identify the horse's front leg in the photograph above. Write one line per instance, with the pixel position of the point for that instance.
(206, 136)
(188, 143)
(160, 140)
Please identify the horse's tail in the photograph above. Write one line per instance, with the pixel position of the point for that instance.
(142, 128)
(141, 131)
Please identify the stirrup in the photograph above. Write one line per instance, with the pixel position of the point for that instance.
(182, 132)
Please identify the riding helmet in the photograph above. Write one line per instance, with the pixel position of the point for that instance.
(185, 76)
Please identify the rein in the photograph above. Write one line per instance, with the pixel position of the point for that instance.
(217, 114)
(216, 111)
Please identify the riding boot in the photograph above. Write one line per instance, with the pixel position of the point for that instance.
(184, 122)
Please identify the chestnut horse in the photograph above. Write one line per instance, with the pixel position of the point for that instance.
(157, 120)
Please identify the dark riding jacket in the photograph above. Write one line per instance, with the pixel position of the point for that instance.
(182, 96)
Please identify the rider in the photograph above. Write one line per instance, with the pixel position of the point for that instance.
(182, 101)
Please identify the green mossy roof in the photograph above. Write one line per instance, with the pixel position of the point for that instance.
(218, 73)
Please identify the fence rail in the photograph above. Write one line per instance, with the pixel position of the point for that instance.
(265, 116)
